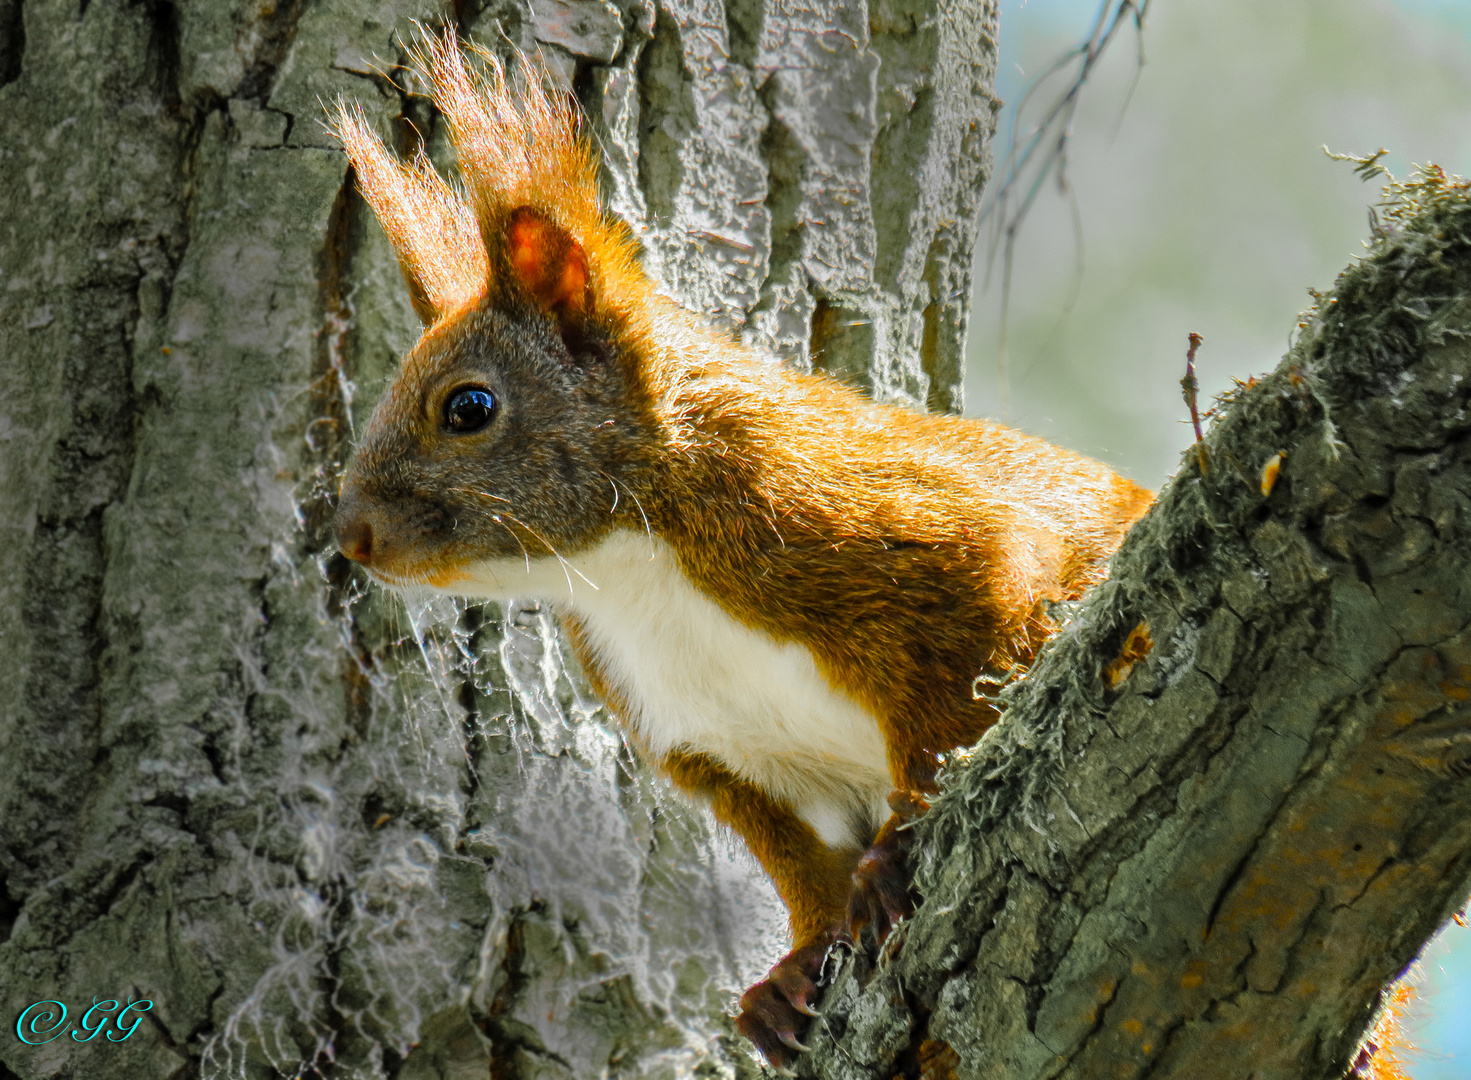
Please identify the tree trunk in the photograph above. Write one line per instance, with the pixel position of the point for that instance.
(324, 836)
(1233, 797)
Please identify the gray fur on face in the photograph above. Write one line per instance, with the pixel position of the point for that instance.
(565, 458)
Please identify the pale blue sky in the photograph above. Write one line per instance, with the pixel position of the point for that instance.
(1211, 207)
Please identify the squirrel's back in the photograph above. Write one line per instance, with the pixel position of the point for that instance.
(910, 553)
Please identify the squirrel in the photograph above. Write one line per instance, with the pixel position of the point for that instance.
(785, 592)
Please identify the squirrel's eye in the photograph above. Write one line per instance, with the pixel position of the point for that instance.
(469, 408)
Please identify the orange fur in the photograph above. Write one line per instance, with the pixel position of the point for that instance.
(554, 271)
(432, 228)
(517, 149)
(907, 553)
(810, 877)
(1385, 1046)
(820, 525)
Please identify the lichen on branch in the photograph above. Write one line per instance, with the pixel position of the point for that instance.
(1210, 863)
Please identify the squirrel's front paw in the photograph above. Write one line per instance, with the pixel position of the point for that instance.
(882, 891)
(778, 1007)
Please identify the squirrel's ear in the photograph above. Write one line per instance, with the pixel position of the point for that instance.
(433, 229)
(549, 264)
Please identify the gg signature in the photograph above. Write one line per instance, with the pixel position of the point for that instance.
(48, 1018)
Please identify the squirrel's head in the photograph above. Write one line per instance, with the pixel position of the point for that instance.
(520, 426)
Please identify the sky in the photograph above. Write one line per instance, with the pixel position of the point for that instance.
(1204, 202)
(1208, 204)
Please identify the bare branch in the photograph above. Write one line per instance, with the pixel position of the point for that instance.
(1042, 152)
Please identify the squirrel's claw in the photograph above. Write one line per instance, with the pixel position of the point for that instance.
(779, 1006)
(791, 1040)
(770, 1022)
(796, 982)
(882, 892)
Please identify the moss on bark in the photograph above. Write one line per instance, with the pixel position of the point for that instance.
(1211, 866)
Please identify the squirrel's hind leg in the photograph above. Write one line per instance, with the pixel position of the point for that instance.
(813, 879)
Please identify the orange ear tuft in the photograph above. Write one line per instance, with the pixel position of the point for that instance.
(550, 265)
(432, 227)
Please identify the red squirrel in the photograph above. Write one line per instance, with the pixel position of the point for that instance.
(785, 592)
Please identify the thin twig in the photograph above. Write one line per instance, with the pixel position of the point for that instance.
(1043, 151)
(1190, 385)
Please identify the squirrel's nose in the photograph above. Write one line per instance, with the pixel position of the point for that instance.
(354, 523)
(355, 540)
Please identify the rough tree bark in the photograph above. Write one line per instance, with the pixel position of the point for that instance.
(321, 835)
(1233, 798)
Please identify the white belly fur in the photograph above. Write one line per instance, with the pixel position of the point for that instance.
(698, 680)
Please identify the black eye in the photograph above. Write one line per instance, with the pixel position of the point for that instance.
(469, 408)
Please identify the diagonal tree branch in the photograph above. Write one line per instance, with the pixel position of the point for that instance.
(1233, 798)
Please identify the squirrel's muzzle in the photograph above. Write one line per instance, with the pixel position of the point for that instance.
(355, 540)
(397, 547)
(353, 527)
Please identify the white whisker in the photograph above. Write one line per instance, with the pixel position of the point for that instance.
(566, 566)
(524, 553)
(647, 530)
(568, 569)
